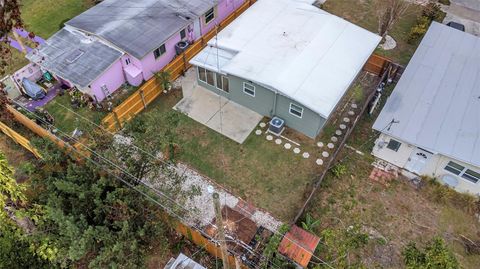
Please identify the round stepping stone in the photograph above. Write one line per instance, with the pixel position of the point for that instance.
(296, 150)
(334, 139)
(319, 162)
(262, 124)
(320, 144)
(351, 113)
(354, 106)
(325, 154)
(258, 132)
(347, 120)
(278, 141)
(306, 155)
(269, 137)
(343, 126)
(330, 145)
(287, 146)
(338, 132)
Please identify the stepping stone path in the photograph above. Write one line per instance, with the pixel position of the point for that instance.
(320, 144)
(278, 141)
(351, 113)
(262, 124)
(354, 106)
(269, 137)
(334, 139)
(325, 154)
(338, 132)
(347, 120)
(258, 132)
(287, 146)
(343, 126)
(296, 150)
(319, 162)
(330, 145)
(306, 155)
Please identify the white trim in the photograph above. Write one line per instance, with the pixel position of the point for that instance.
(214, 16)
(247, 93)
(290, 110)
(461, 172)
(221, 78)
(198, 75)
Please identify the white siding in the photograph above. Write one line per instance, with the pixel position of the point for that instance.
(434, 167)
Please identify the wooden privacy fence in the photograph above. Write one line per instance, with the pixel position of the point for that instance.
(376, 64)
(19, 139)
(139, 100)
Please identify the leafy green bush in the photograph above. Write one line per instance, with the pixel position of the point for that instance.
(339, 170)
(310, 223)
(433, 12)
(434, 255)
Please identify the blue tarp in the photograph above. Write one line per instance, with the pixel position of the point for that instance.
(32, 89)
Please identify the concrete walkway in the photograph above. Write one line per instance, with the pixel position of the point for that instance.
(216, 112)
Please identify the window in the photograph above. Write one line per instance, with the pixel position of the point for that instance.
(393, 145)
(127, 61)
(210, 15)
(471, 176)
(183, 34)
(465, 173)
(160, 51)
(210, 78)
(202, 76)
(249, 89)
(454, 168)
(223, 83)
(296, 110)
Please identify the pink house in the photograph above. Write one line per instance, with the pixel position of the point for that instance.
(124, 41)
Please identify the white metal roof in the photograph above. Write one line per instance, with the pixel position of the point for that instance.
(297, 49)
(437, 100)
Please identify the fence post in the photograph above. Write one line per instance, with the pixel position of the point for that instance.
(117, 120)
(142, 95)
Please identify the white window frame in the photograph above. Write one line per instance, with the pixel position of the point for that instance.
(297, 106)
(214, 16)
(245, 89)
(204, 72)
(160, 51)
(396, 141)
(128, 61)
(184, 31)
(461, 172)
(222, 78)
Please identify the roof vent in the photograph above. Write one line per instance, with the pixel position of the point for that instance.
(75, 55)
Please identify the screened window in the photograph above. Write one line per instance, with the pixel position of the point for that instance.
(454, 168)
(127, 61)
(160, 51)
(201, 74)
(249, 89)
(183, 34)
(471, 176)
(223, 83)
(393, 145)
(296, 110)
(210, 78)
(210, 15)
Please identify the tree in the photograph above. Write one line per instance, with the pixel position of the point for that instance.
(435, 255)
(388, 13)
(10, 19)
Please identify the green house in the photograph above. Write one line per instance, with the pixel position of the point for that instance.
(286, 59)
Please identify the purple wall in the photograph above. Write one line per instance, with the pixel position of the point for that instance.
(224, 8)
(113, 78)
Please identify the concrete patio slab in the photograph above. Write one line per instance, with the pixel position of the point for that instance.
(216, 112)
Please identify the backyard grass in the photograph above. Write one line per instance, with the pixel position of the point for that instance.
(66, 120)
(363, 13)
(46, 17)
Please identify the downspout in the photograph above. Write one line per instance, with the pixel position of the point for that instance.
(274, 112)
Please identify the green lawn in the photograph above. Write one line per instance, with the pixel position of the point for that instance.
(45, 17)
(363, 14)
(66, 120)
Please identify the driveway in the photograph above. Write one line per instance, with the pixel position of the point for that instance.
(216, 112)
(466, 12)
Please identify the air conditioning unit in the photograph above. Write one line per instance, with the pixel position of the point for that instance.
(277, 126)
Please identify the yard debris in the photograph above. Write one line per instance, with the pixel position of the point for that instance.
(383, 172)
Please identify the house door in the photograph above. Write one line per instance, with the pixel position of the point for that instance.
(418, 160)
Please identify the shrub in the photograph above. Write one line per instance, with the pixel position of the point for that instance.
(444, 2)
(419, 30)
(433, 12)
(339, 170)
(434, 255)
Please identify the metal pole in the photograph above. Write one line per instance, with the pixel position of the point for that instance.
(220, 229)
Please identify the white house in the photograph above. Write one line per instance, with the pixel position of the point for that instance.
(430, 125)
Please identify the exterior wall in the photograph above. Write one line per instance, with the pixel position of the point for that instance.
(113, 78)
(224, 8)
(134, 81)
(264, 103)
(434, 168)
(31, 71)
